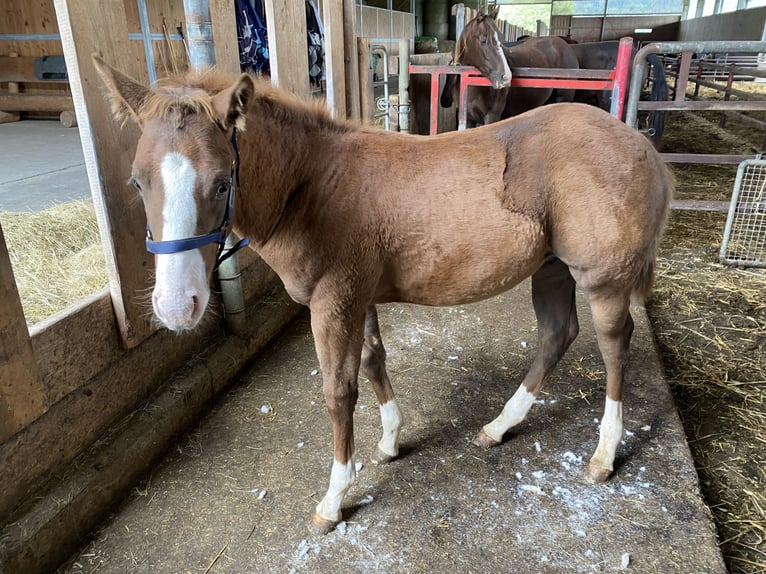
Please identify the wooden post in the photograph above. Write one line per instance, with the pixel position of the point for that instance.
(22, 395)
(332, 17)
(288, 49)
(13, 88)
(366, 96)
(108, 153)
(225, 35)
(350, 59)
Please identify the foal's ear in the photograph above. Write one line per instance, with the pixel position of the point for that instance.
(127, 95)
(231, 104)
(494, 12)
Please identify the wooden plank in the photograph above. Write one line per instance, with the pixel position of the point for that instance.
(51, 526)
(350, 60)
(332, 18)
(22, 397)
(108, 155)
(68, 353)
(35, 102)
(288, 48)
(222, 13)
(76, 421)
(366, 96)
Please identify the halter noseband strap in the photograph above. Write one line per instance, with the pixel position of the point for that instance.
(217, 235)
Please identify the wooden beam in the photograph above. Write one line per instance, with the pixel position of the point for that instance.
(36, 102)
(222, 13)
(335, 73)
(22, 396)
(102, 26)
(366, 95)
(288, 48)
(350, 59)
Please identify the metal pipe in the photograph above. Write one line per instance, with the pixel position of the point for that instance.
(384, 54)
(404, 86)
(199, 28)
(639, 63)
(143, 16)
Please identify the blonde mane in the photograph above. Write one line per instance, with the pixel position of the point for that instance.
(193, 93)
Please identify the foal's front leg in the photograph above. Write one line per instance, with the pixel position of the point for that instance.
(338, 340)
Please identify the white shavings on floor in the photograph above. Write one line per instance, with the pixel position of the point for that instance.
(538, 448)
(539, 474)
(625, 560)
(646, 428)
(532, 488)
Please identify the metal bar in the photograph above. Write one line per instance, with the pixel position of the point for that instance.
(753, 105)
(639, 63)
(704, 158)
(382, 50)
(624, 52)
(143, 17)
(404, 86)
(200, 31)
(434, 127)
(699, 205)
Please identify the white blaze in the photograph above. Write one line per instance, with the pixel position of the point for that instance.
(181, 292)
(506, 68)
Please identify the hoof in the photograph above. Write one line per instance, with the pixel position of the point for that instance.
(380, 457)
(597, 474)
(321, 526)
(484, 440)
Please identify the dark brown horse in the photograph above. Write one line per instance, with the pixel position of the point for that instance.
(349, 217)
(603, 56)
(480, 46)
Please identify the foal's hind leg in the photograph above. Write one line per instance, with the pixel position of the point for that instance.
(373, 366)
(553, 298)
(614, 327)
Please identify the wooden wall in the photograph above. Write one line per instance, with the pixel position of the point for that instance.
(39, 17)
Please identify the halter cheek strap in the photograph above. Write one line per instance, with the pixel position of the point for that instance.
(217, 235)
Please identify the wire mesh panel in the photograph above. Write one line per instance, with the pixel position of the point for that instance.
(744, 239)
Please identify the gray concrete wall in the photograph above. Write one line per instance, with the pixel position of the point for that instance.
(740, 25)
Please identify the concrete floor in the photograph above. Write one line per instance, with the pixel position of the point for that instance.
(41, 164)
(237, 492)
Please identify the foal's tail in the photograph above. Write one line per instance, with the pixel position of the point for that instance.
(656, 119)
(645, 279)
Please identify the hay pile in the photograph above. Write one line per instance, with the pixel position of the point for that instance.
(56, 256)
(710, 324)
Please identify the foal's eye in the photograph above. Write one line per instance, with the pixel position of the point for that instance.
(134, 183)
(484, 41)
(222, 189)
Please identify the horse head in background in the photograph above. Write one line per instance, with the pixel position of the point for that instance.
(479, 45)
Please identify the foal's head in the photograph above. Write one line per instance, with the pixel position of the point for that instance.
(184, 170)
(480, 45)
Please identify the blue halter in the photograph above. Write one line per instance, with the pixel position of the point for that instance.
(217, 235)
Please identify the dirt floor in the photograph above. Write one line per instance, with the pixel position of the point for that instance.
(237, 493)
(710, 323)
